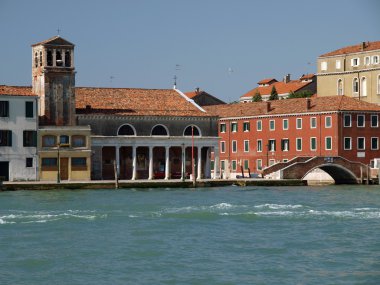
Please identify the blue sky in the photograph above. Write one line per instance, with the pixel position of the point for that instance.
(223, 47)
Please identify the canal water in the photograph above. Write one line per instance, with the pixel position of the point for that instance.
(231, 235)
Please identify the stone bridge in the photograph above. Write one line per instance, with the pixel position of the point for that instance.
(340, 169)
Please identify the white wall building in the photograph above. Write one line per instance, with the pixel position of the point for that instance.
(18, 134)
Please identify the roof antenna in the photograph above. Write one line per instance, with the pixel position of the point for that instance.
(58, 30)
(111, 78)
(177, 68)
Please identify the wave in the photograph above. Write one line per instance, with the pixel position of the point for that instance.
(278, 206)
(25, 217)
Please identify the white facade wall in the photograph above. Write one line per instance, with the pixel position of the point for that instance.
(17, 122)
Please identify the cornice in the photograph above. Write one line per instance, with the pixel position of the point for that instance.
(348, 72)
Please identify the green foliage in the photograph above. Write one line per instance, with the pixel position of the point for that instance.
(300, 94)
(257, 97)
(273, 94)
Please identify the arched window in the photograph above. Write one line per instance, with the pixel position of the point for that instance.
(189, 132)
(159, 130)
(49, 58)
(58, 58)
(35, 60)
(340, 87)
(67, 58)
(40, 58)
(355, 85)
(126, 130)
(363, 86)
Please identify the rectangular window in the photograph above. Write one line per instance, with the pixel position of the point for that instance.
(78, 163)
(285, 144)
(222, 147)
(272, 125)
(222, 128)
(313, 144)
(313, 122)
(272, 145)
(285, 124)
(246, 164)
(259, 145)
(4, 108)
(347, 143)
(367, 60)
(212, 165)
(259, 164)
(374, 143)
(222, 165)
(328, 141)
(29, 110)
(234, 146)
(337, 64)
(49, 141)
(233, 165)
(361, 143)
(5, 138)
(375, 59)
(361, 121)
(299, 123)
(374, 121)
(324, 65)
(29, 162)
(49, 163)
(234, 127)
(355, 61)
(30, 138)
(299, 144)
(328, 122)
(271, 162)
(246, 126)
(259, 125)
(347, 120)
(78, 141)
(246, 146)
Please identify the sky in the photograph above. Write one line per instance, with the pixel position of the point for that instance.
(221, 46)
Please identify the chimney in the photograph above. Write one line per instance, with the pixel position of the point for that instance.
(197, 90)
(287, 78)
(88, 108)
(363, 46)
(268, 106)
(308, 104)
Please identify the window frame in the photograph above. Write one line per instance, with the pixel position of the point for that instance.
(355, 62)
(328, 138)
(246, 126)
(344, 143)
(246, 142)
(311, 144)
(259, 125)
(328, 126)
(246, 164)
(344, 120)
(283, 140)
(357, 120)
(29, 138)
(259, 147)
(222, 128)
(272, 123)
(285, 128)
(234, 146)
(298, 140)
(8, 138)
(299, 125)
(357, 141)
(377, 120)
(234, 165)
(4, 109)
(311, 122)
(377, 143)
(259, 164)
(222, 146)
(272, 145)
(234, 127)
(29, 109)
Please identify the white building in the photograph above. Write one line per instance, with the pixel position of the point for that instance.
(18, 134)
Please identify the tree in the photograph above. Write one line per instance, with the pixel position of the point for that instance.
(273, 94)
(257, 97)
(300, 94)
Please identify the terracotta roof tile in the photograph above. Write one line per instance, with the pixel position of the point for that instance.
(281, 87)
(362, 47)
(307, 76)
(266, 81)
(292, 106)
(134, 102)
(16, 90)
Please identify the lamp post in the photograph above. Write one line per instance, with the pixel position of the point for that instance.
(58, 164)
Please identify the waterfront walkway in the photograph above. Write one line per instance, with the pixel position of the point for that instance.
(125, 184)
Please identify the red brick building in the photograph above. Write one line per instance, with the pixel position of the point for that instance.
(255, 135)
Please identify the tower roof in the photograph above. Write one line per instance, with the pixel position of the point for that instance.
(55, 41)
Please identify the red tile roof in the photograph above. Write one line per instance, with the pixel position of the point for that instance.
(362, 47)
(307, 76)
(134, 102)
(16, 90)
(266, 81)
(281, 87)
(56, 40)
(292, 106)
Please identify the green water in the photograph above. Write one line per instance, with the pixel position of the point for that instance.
(232, 235)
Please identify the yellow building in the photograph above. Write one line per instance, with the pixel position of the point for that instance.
(353, 71)
(64, 150)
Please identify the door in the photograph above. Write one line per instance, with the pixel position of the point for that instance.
(4, 170)
(64, 167)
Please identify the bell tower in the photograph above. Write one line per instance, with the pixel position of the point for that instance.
(53, 80)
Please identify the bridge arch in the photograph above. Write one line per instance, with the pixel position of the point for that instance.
(339, 173)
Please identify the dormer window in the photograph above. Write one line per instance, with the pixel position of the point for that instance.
(58, 58)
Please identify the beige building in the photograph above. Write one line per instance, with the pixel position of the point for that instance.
(64, 150)
(353, 71)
